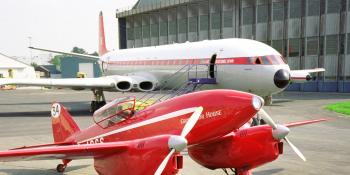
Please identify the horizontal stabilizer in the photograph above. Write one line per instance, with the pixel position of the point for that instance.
(302, 76)
(83, 56)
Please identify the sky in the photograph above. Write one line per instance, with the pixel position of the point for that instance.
(57, 24)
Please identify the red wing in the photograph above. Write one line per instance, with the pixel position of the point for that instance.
(64, 152)
(294, 124)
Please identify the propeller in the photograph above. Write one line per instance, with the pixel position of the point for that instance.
(178, 143)
(280, 132)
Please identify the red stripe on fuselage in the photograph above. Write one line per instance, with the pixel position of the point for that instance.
(273, 60)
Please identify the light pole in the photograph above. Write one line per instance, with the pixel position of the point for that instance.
(30, 45)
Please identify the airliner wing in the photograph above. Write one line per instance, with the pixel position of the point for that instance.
(84, 56)
(119, 83)
(302, 76)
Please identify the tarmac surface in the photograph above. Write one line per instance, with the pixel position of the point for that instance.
(24, 120)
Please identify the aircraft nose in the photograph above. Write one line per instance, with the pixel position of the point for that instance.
(281, 78)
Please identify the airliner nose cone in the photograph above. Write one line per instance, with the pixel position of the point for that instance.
(281, 78)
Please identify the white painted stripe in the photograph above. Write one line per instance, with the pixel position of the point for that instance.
(146, 122)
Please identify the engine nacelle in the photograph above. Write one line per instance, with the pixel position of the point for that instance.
(131, 161)
(143, 81)
(142, 84)
(122, 83)
(242, 150)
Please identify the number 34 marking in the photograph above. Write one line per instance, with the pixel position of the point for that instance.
(55, 110)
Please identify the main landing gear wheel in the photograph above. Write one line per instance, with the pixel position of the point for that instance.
(61, 167)
(95, 105)
(99, 100)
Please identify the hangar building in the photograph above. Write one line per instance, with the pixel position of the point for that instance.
(12, 68)
(309, 33)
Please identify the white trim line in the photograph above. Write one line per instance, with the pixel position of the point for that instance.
(146, 122)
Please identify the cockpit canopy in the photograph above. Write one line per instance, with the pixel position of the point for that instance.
(115, 111)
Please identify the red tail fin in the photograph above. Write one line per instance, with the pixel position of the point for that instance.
(101, 37)
(63, 124)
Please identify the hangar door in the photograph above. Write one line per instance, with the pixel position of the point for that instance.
(87, 68)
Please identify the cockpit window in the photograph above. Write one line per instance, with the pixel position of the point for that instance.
(115, 111)
(265, 60)
(278, 59)
(255, 60)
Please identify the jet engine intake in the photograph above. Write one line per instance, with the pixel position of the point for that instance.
(142, 84)
(122, 83)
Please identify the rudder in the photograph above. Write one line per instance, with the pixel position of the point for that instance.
(63, 125)
(102, 49)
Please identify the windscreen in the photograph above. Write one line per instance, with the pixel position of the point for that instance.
(115, 111)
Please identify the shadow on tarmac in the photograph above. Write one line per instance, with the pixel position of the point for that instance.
(268, 172)
(39, 171)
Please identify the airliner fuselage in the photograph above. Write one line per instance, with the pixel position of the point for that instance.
(240, 64)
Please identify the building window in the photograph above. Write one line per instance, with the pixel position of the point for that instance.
(277, 10)
(248, 15)
(192, 24)
(295, 9)
(130, 33)
(333, 6)
(138, 33)
(163, 28)
(313, 7)
(278, 45)
(172, 27)
(294, 47)
(154, 30)
(331, 44)
(182, 25)
(227, 19)
(145, 31)
(215, 20)
(204, 20)
(312, 46)
(262, 14)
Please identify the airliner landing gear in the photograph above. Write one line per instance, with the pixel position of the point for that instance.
(99, 100)
(268, 100)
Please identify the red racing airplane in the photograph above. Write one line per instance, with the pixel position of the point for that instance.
(210, 124)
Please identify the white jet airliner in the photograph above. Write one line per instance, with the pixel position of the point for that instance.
(239, 64)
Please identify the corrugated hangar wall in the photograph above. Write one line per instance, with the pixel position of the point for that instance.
(71, 65)
(309, 33)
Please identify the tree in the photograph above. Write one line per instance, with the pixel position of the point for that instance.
(94, 54)
(34, 64)
(57, 61)
(79, 50)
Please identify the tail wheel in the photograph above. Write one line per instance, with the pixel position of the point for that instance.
(60, 168)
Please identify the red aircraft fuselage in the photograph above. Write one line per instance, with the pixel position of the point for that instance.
(224, 111)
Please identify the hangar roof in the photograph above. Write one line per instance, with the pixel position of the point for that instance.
(142, 6)
(8, 62)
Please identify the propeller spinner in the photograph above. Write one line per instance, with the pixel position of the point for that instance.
(280, 132)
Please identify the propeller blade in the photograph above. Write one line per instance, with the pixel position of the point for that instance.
(164, 163)
(176, 141)
(295, 149)
(191, 121)
(268, 119)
